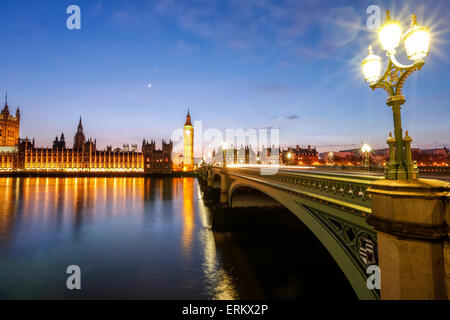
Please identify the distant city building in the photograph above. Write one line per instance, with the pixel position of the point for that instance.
(9, 127)
(59, 143)
(9, 137)
(299, 156)
(244, 155)
(22, 154)
(84, 156)
(270, 155)
(157, 160)
(436, 152)
(427, 157)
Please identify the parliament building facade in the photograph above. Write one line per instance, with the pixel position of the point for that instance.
(22, 154)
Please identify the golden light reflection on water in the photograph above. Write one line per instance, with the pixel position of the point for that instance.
(40, 198)
(49, 205)
(188, 215)
(225, 288)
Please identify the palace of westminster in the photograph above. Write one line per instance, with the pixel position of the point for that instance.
(18, 154)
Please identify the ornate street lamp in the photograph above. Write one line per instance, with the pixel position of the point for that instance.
(417, 43)
(365, 150)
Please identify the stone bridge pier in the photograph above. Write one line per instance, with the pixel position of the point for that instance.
(412, 219)
(215, 180)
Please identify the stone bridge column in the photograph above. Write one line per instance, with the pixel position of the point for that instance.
(411, 218)
(210, 178)
(224, 189)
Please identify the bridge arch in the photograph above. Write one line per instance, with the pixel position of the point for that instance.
(247, 196)
(329, 240)
(217, 179)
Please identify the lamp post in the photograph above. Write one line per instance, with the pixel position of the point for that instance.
(224, 150)
(365, 150)
(289, 157)
(416, 41)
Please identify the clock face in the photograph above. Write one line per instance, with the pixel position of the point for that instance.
(187, 132)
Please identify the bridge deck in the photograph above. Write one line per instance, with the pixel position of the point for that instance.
(347, 171)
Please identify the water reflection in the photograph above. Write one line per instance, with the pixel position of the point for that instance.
(188, 216)
(132, 238)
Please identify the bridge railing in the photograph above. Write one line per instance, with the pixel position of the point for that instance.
(434, 170)
(346, 190)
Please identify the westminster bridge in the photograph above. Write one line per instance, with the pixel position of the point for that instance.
(362, 220)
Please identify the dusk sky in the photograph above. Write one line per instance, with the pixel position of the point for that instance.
(293, 65)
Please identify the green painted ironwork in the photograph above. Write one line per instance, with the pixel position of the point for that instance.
(349, 190)
(360, 242)
(334, 207)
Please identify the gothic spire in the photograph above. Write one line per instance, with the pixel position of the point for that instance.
(188, 119)
(5, 109)
(80, 126)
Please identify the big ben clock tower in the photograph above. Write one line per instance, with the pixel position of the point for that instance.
(188, 137)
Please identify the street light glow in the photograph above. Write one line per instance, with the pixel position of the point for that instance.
(390, 34)
(417, 41)
(371, 67)
(366, 148)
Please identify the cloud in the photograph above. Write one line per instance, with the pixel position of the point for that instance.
(262, 26)
(287, 117)
(243, 25)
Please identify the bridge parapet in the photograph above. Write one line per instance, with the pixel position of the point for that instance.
(344, 190)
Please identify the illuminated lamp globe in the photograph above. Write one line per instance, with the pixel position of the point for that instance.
(417, 41)
(390, 34)
(371, 67)
(366, 148)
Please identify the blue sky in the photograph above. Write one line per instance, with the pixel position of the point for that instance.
(293, 65)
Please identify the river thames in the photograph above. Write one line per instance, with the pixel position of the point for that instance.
(136, 238)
